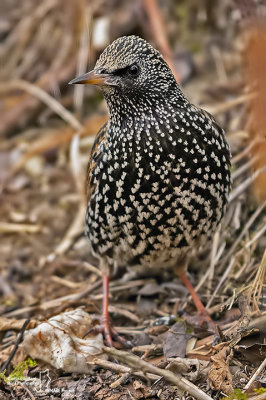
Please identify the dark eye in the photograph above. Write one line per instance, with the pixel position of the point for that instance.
(133, 70)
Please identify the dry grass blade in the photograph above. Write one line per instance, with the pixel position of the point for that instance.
(65, 301)
(226, 106)
(258, 283)
(7, 227)
(248, 224)
(247, 182)
(159, 33)
(45, 98)
(225, 275)
(76, 167)
(74, 229)
(82, 62)
(256, 374)
(57, 137)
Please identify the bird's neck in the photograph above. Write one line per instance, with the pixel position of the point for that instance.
(123, 108)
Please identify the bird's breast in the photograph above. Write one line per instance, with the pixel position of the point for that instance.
(160, 187)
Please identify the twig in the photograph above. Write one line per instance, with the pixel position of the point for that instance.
(254, 376)
(7, 227)
(256, 236)
(244, 185)
(225, 106)
(114, 287)
(226, 273)
(215, 244)
(137, 364)
(122, 369)
(72, 231)
(28, 391)
(120, 380)
(258, 397)
(245, 229)
(91, 268)
(45, 98)
(76, 167)
(246, 151)
(125, 313)
(82, 62)
(239, 171)
(258, 282)
(18, 341)
(159, 33)
(64, 300)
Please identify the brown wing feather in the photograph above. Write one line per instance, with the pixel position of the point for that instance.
(90, 187)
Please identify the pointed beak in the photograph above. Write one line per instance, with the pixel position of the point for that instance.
(91, 78)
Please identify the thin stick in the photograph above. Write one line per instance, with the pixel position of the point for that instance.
(82, 62)
(8, 227)
(239, 171)
(64, 300)
(45, 98)
(28, 391)
(225, 106)
(254, 376)
(246, 151)
(215, 244)
(18, 341)
(159, 32)
(256, 237)
(245, 229)
(244, 185)
(122, 369)
(137, 364)
(227, 271)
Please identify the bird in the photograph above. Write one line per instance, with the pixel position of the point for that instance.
(158, 178)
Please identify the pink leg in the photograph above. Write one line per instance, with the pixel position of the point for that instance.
(203, 314)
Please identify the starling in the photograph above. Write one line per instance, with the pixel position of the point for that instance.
(159, 172)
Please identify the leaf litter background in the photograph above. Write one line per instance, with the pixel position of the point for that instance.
(217, 51)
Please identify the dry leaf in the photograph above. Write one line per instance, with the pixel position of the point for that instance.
(220, 377)
(192, 369)
(8, 324)
(176, 341)
(59, 342)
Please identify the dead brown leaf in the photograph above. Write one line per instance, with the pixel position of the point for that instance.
(176, 341)
(8, 324)
(220, 377)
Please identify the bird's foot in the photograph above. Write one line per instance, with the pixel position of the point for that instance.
(202, 318)
(110, 334)
(203, 321)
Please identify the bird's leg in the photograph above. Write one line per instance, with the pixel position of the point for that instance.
(105, 312)
(106, 327)
(202, 312)
(200, 307)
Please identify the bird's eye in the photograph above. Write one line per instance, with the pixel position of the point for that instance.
(102, 71)
(133, 70)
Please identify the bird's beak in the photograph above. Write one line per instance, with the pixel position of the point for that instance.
(91, 78)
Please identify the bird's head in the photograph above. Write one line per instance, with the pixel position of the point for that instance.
(130, 67)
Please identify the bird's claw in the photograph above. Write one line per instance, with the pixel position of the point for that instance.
(110, 334)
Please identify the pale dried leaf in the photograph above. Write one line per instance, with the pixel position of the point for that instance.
(59, 342)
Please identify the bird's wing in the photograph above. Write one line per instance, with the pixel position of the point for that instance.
(96, 151)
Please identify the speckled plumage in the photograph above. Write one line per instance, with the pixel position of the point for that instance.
(158, 177)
